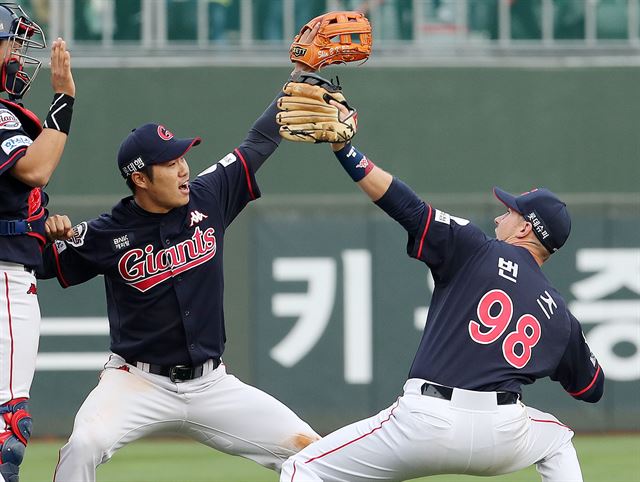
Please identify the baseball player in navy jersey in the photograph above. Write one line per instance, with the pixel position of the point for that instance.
(160, 252)
(29, 154)
(495, 323)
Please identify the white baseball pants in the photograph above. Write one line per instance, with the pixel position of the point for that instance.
(420, 435)
(216, 409)
(19, 330)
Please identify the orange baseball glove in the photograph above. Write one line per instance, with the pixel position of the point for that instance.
(342, 37)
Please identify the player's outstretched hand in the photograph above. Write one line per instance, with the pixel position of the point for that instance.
(58, 226)
(306, 38)
(61, 77)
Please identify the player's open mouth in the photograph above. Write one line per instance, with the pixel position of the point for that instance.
(184, 187)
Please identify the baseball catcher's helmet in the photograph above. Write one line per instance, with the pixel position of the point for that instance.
(18, 68)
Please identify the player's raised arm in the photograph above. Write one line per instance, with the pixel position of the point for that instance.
(370, 178)
(43, 155)
(264, 137)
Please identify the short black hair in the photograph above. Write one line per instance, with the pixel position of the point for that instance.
(146, 170)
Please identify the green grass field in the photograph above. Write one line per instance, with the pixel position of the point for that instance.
(604, 459)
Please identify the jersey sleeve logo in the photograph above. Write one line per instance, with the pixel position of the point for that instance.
(14, 142)
(79, 232)
(8, 120)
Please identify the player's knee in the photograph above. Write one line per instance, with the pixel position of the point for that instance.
(300, 441)
(14, 440)
(87, 443)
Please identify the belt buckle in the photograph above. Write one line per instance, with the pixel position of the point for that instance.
(174, 373)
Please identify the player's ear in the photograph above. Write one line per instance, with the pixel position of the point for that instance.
(525, 228)
(139, 180)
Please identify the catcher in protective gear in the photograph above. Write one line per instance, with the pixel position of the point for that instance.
(353, 31)
(309, 111)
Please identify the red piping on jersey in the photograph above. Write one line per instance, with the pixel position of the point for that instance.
(63, 281)
(6, 284)
(41, 239)
(294, 471)
(19, 151)
(246, 173)
(356, 439)
(424, 233)
(595, 377)
(550, 421)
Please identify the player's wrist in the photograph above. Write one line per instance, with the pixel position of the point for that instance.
(60, 113)
(354, 162)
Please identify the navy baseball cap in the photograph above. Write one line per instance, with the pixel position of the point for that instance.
(151, 144)
(545, 211)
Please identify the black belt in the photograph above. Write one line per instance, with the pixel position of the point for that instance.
(445, 393)
(176, 373)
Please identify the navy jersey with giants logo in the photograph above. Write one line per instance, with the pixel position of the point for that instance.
(163, 272)
(18, 201)
(495, 322)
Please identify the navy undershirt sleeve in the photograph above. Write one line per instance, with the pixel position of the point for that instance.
(579, 371)
(403, 204)
(263, 137)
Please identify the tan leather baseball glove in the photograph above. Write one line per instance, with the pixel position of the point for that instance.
(307, 115)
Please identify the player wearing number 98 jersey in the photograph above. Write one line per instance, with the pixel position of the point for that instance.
(507, 323)
(495, 323)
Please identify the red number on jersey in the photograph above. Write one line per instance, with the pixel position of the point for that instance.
(527, 335)
(496, 324)
(517, 345)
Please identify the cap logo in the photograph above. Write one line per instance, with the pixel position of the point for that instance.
(164, 133)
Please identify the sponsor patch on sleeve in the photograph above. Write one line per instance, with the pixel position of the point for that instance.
(446, 218)
(442, 217)
(8, 120)
(14, 142)
(228, 159)
(60, 246)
